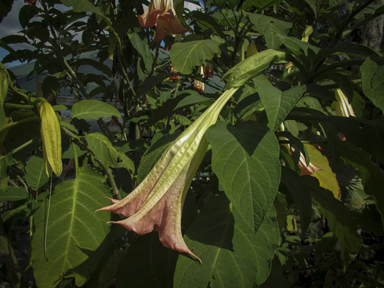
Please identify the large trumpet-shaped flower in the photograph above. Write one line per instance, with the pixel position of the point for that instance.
(157, 203)
(162, 14)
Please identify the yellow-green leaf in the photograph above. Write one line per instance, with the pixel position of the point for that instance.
(325, 176)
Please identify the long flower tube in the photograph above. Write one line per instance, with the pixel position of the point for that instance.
(157, 203)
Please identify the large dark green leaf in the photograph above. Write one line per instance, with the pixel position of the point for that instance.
(301, 195)
(269, 27)
(277, 104)
(232, 255)
(252, 67)
(186, 55)
(36, 175)
(339, 218)
(245, 158)
(75, 232)
(94, 109)
(372, 74)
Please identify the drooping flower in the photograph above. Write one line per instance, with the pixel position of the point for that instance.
(251, 49)
(208, 70)
(198, 85)
(30, 2)
(157, 203)
(51, 138)
(160, 13)
(306, 169)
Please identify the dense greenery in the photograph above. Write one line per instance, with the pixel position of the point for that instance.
(274, 164)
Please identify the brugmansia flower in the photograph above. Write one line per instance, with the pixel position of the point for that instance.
(343, 107)
(251, 49)
(160, 13)
(157, 203)
(306, 169)
(51, 138)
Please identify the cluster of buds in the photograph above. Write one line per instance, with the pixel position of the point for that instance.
(207, 71)
(176, 77)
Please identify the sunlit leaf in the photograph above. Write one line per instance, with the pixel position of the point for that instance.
(75, 232)
(245, 158)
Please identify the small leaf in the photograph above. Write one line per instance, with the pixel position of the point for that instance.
(232, 255)
(185, 56)
(94, 109)
(278, 104)
(106, 153)
(13, 194)
(269, 27)
(245, 158)
(36, 176)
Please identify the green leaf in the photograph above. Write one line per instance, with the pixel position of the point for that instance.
(86, 6)
(36, 176)
(94, 109)
(278, 104)
(13, 194)
(252, 67)
(269, 27)
(186, 55)
(276, 278)
(372, 73)
(95, 64)
(245, 158)
(340, 220)
(260, 4)
(142, 48)
(75, 232)
(207, 21)
(106, 153)
(297, 46)
(371, 174)
(192, 99)
(301, 195)
(232, 255)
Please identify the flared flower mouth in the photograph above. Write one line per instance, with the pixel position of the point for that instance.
(157, 203)
(160, 13)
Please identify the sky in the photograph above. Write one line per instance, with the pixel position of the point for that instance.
(10, 25)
